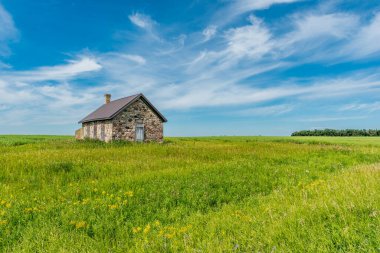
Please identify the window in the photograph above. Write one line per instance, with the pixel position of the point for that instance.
(95, 133)
(140, 132)
(102, 130)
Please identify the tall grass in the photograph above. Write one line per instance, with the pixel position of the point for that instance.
(189, 194)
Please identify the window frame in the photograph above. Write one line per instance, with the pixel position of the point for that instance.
(140, 125)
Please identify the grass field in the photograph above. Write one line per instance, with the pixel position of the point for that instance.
(214, 194)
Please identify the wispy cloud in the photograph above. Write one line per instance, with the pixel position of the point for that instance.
(273, 110)
(236, 8)
(365, 42)
(134, 58)
(326, 119)
(251, 41)
(243, 6)
(72, 69)
(209, 32)
(47, 86)
(48, 94)
(238, 65)
(334, 37)
(217, 74)
(142, 21)
(8, 31)
(365, 107)
(333, 25)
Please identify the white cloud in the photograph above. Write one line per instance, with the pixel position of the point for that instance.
(242, 6)
(366, 107)
(8, 31)
(49, 94)
(311, 26)
(333, 37)
(142, 21)
(4, 65)
(365, 43)
(181, 72)
(63, 95)
(227, 91)
(209, 32)
(47, 87)
(67, 71)
(316, 37)
(12, 95)
(217, 73)
(134, 58)
(267, 110)
(337, 118)
(191, 77)
(239, 7)
(251, 41)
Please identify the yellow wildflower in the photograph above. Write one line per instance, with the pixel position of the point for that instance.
(157, 223)
(136, 229)
(8, 205)
(147, 229)
(129, 193)
(183, 229)
(113, 206)
(3, 222)
(169, 236)
(80, 224)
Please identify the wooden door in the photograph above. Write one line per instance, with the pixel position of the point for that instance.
(140, 132)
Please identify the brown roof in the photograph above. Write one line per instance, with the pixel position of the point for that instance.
(110, 110)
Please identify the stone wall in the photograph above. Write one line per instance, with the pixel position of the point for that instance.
(100, 130)
(124, 124)
(79, 134)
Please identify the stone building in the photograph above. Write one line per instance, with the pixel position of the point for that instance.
(131, 118)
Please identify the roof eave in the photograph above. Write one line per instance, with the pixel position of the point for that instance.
(125, 106)
(100, 119)
(149, 103)
(154, 108)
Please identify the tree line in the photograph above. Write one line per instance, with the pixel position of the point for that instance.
(334, 132)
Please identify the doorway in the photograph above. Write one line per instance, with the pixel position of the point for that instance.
(139, 132)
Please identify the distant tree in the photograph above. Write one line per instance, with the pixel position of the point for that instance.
(334, 132)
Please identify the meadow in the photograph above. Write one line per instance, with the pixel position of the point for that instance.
(210, 194)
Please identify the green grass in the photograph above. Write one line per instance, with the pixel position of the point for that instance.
(210, 194)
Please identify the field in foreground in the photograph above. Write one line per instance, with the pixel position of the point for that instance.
(242, 194)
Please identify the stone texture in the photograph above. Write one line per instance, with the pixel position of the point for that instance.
(100, 130)
(79, 134)
(123, 126)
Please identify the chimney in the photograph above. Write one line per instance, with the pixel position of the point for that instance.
(107, 98)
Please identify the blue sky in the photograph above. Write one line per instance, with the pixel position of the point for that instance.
(244, 67)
